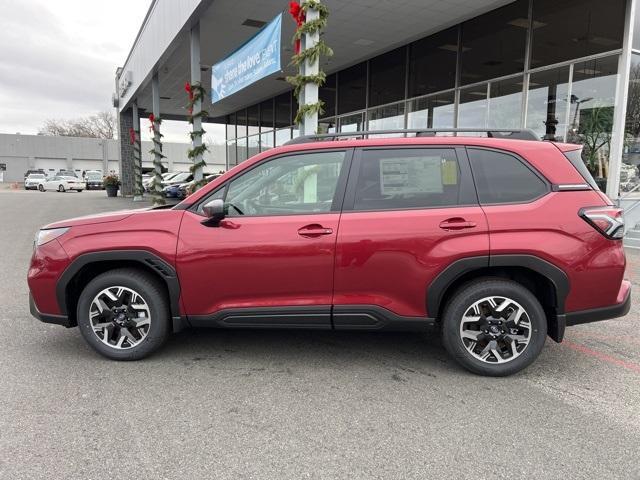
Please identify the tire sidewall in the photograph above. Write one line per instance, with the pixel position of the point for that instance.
(150, 291)
(462, 301)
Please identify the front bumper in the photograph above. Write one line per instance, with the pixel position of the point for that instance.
(619, 309)
(47, 318)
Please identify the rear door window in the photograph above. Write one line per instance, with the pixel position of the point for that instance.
(395, 179)
(504, 178)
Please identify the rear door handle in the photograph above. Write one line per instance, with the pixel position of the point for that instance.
(314, 230)
(457, 223)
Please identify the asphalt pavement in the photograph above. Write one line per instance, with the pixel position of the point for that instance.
(220, 404)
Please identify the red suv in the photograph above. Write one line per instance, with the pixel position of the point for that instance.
(498, 242)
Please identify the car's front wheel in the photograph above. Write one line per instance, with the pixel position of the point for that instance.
(41, 188)
(494, 327)
(61, 188)
(124, 314)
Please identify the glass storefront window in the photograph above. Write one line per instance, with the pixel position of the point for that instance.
(630, 168)
(389, 117)
(472, 111)
(574, 29)
(352, 88)
(327, 125)
(283, 135)
(547, 103)
(266, 140)
(232, 158)
(242, 149)
(253, 145)
(387, 74)
(231, 126)
(253, 120)
(432, 63)
(592, 102)
(435, 111)
(494, 44)
(266, 115)
(283, 110)
(241, 119)
(352, 123)
(505, 103)
(327, 93)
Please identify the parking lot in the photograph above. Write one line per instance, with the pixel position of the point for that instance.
(279, 405)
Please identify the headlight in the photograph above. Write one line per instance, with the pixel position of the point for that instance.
(45, 236)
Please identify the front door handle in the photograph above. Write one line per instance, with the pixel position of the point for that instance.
(314, 230)
(457, 223)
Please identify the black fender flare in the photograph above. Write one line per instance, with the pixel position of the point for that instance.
(439, 286)
(145, 258)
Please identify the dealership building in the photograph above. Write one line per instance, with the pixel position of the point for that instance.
(567, 69)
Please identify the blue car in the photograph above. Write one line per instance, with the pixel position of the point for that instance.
(171, 191)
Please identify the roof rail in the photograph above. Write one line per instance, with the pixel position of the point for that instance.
(514, 134)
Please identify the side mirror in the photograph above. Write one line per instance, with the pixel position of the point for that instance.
(214, 211)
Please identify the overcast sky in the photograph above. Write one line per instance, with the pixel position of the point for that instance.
(58, 59)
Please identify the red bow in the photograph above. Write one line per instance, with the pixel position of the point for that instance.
(298, 15)
(132, 136)
(189, 90)
(152, 119)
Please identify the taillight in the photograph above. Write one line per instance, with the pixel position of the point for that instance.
(609, 221)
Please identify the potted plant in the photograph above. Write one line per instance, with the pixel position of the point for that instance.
(111, 184)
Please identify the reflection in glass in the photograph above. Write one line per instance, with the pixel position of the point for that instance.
(439, 50)
(253, 120)
(283, 135)
(232, 159)
(591, 112)
(352, 123)
(435, 111)
(327, 93)
(283, 110)
(547, 103)
(575, 28)
(266, 115)
(242, 149)
(327, 125)
(231, 126)
(493, 44)
(352, 88)
(630, 168)
(472, 111)
(389, 117)
(505, 103)
(387, 77)
(266, 141)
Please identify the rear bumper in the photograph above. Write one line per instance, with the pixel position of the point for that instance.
(603, 313)
(47, 318)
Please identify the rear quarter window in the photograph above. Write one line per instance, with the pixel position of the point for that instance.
(504, 178)
(575, 157)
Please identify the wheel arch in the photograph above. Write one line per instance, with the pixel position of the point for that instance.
(548, 282)
(88, 265)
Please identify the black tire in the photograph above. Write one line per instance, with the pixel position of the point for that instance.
(150, 289)
(473, 292)
(78, 191)
(61, 188)
(41, 188)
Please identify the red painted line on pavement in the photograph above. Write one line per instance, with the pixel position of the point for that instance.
(602, 356)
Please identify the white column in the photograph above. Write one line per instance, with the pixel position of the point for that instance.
(309, 125)
(137, 154)
(197, 107)
(620, 110)
(157, 161)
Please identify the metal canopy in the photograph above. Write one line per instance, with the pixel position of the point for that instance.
(358, 29)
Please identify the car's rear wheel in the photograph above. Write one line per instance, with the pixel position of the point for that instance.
(41, 188)
(61, 188)
(124, 314)
(494, 327)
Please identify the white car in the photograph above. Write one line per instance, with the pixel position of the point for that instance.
(62, 184)
(33, 180)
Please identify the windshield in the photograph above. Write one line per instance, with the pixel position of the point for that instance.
(181, 177)
(37, 176)
(94, 176)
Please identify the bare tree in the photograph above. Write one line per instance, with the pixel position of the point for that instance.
(101, 125)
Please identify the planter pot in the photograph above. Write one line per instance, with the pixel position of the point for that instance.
(112, 190)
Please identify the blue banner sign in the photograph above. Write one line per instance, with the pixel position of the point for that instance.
(257, 58)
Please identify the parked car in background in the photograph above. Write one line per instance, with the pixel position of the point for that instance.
(66, 173)
(497, 242)
(165, 176)
(186, 189)
(38, 171)
(94, 180)
(182, 177)
(62, 183)
(33, 180)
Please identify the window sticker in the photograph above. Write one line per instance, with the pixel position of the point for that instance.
(408, 176)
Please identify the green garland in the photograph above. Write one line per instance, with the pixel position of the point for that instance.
(196, 93)
(155, 185)
(311, 55)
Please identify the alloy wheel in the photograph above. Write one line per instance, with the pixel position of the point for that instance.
(495, 329)
(120, 317)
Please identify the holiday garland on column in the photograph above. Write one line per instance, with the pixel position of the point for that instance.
(134, 138)
(156, 184)
(196, 93)
(299, 13)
